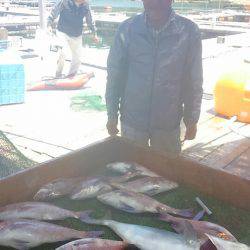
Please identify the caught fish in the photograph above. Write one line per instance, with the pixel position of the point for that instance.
(57, 188)
(124, 167)
(90, 188)
(221, 244)
(201, 227)
(133, 202)
(148, 185)
(25, 234)
(37, 211)
(97, 244)
(148, 238)
(99, 185)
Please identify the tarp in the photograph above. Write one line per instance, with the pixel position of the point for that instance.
(88, 101)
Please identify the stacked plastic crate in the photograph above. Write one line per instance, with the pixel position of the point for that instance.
(12, 78)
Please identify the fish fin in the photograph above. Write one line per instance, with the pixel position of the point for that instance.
(130, 247)
(94, 234)
(217, 242)
(208, 245)
(174, 222)
(153, 191)
(177, 227)
(85, 217)
(166, 217)
(189, 233)
(120, 186)
(21, 244)
(116, 185)
(199, 215)
(188, 213)
(164, 210)
(104, 189)
(223, 244)
(125, 207)
(150, 192)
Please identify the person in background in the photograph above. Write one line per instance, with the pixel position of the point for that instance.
(69, 30)
(155, 78)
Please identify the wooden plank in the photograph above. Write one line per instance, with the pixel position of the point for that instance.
(208, 132)
(204, 131)
(28, 152)
(224, 150)
(33, 155)
(36, 150)
(241, 165)
(207, 111)
(243, 131)
(210, 153)
(39, 147)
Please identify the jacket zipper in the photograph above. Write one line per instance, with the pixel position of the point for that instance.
(156, 46)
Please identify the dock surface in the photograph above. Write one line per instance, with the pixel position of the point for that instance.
(46, 127)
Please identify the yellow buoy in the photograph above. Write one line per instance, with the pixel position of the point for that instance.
(232, 93)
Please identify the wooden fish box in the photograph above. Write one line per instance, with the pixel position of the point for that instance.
(89, 160)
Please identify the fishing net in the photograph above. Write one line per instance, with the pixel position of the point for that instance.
(88, 101)
(11, 159)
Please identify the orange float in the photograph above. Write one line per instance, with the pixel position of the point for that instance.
(232, 93)
(71, 83)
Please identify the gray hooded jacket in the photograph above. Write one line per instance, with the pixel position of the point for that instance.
(155, 77)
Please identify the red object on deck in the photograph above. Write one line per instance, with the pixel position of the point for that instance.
(76, 82)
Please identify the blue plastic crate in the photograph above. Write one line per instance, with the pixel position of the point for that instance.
(4, 45)
(12, 83)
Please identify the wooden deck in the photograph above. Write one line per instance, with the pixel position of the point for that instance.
(43, 129)
(221, 143)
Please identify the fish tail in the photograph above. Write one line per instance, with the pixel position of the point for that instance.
(165, 217)
(166, 210)
(188, 213)
(85, 217)
(75, 196)
(175, 222)
(130, 247)
(199, 215)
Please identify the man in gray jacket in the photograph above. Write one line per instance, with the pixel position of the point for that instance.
(155, 78)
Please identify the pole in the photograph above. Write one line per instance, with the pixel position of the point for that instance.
(219, 4)
(41, 4)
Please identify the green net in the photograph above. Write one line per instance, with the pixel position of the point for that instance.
(88, 101)
(11, 159)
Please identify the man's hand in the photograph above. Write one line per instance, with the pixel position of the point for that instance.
(112, 127)
(191, 131)
(50, 29)
(95, 39)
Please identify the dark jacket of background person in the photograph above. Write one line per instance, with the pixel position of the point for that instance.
(155, 78)
(71, 17)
